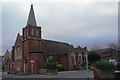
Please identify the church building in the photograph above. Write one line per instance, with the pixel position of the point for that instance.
(30, 52)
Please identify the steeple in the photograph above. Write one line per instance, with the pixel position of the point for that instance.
(31, 17)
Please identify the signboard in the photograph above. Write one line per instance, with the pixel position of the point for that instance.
(13, 62)
(32, 61)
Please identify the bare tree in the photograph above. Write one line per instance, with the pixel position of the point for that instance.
(112, 50)
(95, 47)
(113, 45)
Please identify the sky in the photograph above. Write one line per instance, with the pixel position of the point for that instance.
(77, 23)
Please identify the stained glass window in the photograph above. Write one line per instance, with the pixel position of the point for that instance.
(18, 52)
(73, 60)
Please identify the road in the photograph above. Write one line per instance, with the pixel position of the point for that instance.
(63, 74)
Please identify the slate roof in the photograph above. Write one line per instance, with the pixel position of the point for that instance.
(79, 48)
(50, 47)
(31, 17)
(104, 50)
(6, 54)
(19, 37)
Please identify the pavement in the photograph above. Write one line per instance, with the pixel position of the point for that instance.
(62, 74)
(0, 75)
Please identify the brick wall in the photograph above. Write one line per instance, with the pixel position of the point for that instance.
(38, 59)
(64, 61)
(16, 61)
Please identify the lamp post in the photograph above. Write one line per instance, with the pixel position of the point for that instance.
(80, 61)
(87, 62)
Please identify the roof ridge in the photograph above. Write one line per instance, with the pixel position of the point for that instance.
(56, 41)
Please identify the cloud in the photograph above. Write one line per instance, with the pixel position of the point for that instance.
(82, 24)
(59, 1)
(0, 29)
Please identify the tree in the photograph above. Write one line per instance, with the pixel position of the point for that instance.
(52, 64)
(112, 50)
(95, 47)
(93, 57)
(113, 45)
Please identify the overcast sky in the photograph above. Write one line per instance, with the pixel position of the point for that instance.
(84, 24)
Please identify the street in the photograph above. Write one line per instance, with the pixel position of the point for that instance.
(62, 74)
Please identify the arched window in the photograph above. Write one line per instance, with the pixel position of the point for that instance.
(73, 58)
(18, 52)
(32, 31)
(80, 58)
(36, 32)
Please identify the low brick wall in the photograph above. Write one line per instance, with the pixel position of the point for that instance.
(117, 75)
(105, 74)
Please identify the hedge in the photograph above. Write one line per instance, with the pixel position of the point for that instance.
(105, 65)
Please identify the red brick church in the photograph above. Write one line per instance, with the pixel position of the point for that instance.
(31, 48)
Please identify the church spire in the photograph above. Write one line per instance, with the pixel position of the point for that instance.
(31, 17)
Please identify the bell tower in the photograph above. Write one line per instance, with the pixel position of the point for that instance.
(31, 31)
(32, 44)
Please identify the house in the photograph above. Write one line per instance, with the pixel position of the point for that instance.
(1, 63)
(30, 52)
(106, 53)
(5, 61)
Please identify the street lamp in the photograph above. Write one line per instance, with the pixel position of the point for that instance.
(87, 62)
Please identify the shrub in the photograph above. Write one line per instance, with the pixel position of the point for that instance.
(52, 64)
(77, 68)
(105, 65)
(59, 67)
(73, 69)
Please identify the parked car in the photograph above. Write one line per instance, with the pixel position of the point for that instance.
(113, 61)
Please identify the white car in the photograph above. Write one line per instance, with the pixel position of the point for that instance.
(113, 61)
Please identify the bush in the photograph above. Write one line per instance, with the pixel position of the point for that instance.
(77, 68)
(105, 65)
(60, 67)
(73, 69)
(118, 66)
(52, 64)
